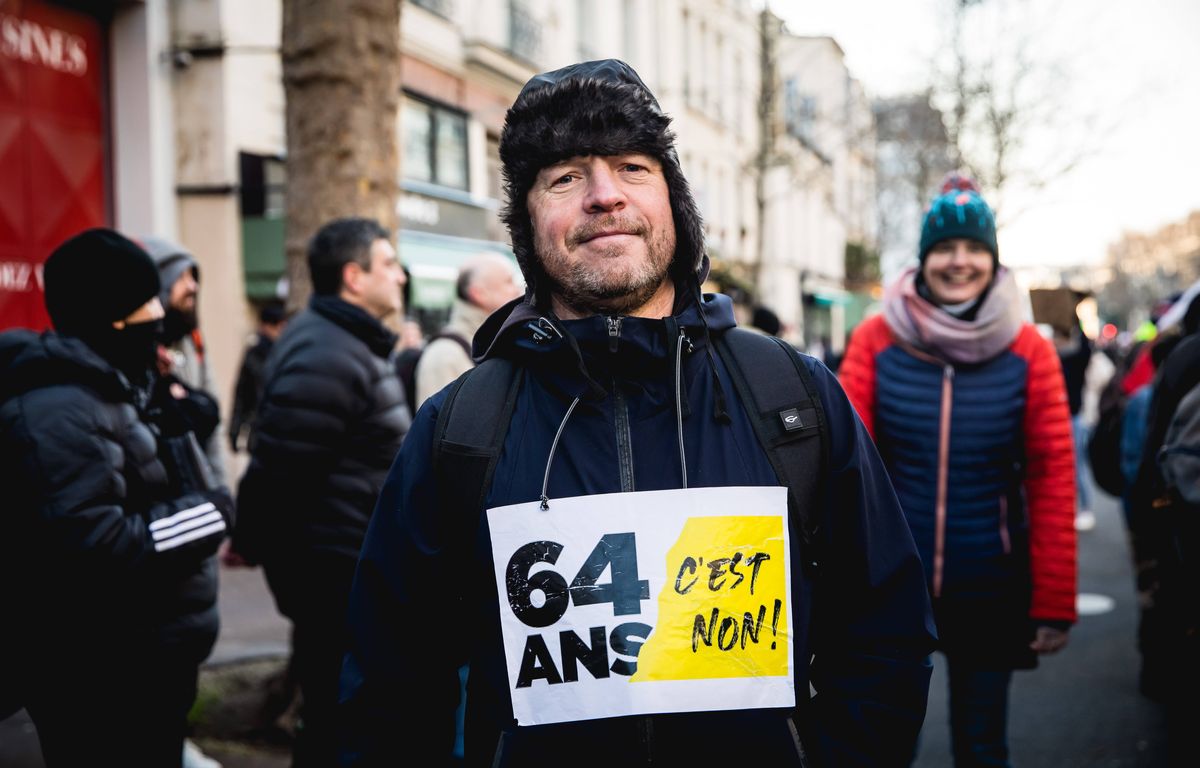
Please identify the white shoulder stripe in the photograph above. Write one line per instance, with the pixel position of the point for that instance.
(180, 516)
(199, 533)
(187, 525)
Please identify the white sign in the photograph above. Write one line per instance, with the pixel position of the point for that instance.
(644, 603)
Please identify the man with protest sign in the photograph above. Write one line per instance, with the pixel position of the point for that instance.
(647, 531)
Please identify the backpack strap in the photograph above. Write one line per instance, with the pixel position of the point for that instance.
(788, 420)
(457, 338)
(469, 435)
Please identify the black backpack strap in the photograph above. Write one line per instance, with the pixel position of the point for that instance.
(457, 338)
(788, 420)
(468, 437)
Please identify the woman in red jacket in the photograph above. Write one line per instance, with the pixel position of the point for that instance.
(967, 405)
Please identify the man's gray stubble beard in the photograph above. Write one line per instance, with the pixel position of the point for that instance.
(589, 294)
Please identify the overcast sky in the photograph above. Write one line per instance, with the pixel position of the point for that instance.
(1131, 85)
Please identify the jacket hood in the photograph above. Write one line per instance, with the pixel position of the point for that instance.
(592, 108)
(29, 360)
(172, 260)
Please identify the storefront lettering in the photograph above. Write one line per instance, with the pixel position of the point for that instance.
(19, 276)
(32, 43)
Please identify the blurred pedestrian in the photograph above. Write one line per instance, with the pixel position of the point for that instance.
(110, 522)
(766, 321)
(1164, 526)
(252, 373)
(185, 355)
(484, 284)
(329, 424)
(1075, 354)
(968, 407)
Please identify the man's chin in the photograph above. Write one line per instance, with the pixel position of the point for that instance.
(610, 298)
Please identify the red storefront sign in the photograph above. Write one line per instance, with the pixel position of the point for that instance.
(53, 146)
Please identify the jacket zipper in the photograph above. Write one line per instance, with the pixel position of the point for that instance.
(943, 477)
(647, 729)
(614, 332)
(621, 415)
(624, 440)
(1004, 539)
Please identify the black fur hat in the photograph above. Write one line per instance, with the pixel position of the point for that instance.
(592, 108)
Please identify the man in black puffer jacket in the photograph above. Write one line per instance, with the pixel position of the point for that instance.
(330, 423)
(109, 529)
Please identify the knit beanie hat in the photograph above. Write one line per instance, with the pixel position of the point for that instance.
(95, 279)
(591, 108)
(959, 211)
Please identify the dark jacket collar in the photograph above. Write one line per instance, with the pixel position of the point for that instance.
(591, 350)
(355, 321)
(30, 361)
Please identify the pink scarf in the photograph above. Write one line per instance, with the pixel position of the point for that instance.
(930, 329)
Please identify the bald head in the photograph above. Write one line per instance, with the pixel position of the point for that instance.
(486, 281)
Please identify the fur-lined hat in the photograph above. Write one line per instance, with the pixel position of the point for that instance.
(592, 108)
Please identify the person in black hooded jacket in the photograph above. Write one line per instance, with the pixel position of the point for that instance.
(109, 530)
(620, 392)
(329, 424)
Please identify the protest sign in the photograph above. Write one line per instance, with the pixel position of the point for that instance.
(644, 603)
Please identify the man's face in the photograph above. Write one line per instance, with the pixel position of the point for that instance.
(493, 286)
(378, 288)
(183, 293)
(603, 231)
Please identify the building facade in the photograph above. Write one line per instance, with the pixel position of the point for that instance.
(167, 118)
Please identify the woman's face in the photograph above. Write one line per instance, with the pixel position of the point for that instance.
(957, 270)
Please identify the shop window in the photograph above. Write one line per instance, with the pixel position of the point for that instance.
(261, 199)
(435, 144)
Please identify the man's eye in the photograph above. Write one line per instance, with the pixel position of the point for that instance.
(633, 167)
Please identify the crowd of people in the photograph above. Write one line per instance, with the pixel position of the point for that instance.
(932, 486)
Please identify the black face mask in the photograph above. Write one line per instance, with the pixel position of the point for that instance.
(177, 324)
(132, 350)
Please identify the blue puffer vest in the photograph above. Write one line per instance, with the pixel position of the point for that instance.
(980, 408)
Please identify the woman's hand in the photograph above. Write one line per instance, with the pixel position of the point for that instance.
(1049, 640)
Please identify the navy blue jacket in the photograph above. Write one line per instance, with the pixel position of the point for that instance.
(866, 625)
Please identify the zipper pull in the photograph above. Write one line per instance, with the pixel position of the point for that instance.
(948, 372)
(614, 332)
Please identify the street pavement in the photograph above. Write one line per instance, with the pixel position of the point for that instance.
(1079, 708)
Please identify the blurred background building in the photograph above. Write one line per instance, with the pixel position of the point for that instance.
(167, 117)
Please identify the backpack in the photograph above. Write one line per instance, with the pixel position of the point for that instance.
(771, 380)
(1104, 443)
(1179, 457)
(406, 365)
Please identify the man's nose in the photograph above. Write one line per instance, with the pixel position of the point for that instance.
(603, 190)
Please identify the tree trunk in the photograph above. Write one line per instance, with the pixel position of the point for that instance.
(341, 81)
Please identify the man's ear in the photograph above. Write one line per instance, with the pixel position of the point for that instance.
(351, 274)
